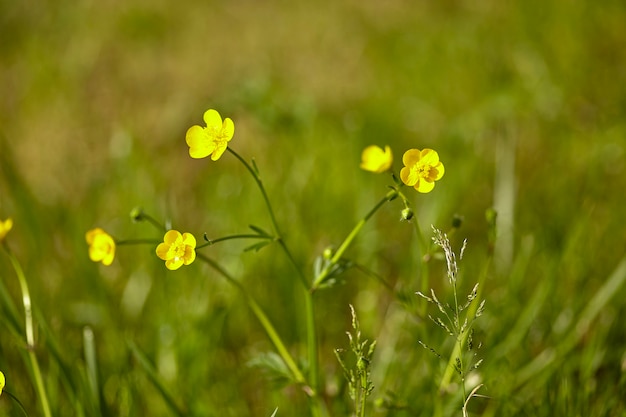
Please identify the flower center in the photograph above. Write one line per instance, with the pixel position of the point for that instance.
(177, 251)
(103, 245)
(423, 170)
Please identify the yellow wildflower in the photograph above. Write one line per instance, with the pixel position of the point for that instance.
(422, 169)
(5, 226)
(2, 381)
(212, 139)
(101, 246)
(177, 249)
(375, 159)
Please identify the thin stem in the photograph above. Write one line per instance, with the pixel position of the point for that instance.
(136, 242)
(424, 257)
(311, 332)
(259, 183)
(153, 221)
(210, 242)
(263, 319)
(458, 332)
(308, 300)
(363, 398)
(421, 240)
(30, 337)
(325, 273)
(462, 338)
(270, 210)
(154, 377)
(17, 401)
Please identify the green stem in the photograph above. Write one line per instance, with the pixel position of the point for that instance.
(311, 332)
(362, 407)
(270, 210)
(154, 377)
(325, 273)
(263, 319)
(461, 342)
(19, 403)
(424, 257)
(462, 338)
(153, 221)
(421, 240)
(308, 298)
(232, 237)
(259, 183)
(30, 337)
(137, 242)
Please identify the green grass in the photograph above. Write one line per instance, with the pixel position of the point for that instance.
(524, 101)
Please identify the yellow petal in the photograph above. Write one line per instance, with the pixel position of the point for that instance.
(108, 259)
(172, 236)
(162, 250)
(190, 255)
(411, 157)
(228, 129)
(218, 151)
(440, 170)
(5, 226)
(200, 145)
(194, 135)
(375, 159)
(89, 236)
(424, 186)
(174, 264)
(213, 119)
(429, 157)
(189, 240)
(405, 176)
(101, 246)
(2, 382)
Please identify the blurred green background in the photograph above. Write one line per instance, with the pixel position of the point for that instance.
(525, 101)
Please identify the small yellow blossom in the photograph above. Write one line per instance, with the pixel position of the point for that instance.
(101, 246)
(2, 381)
(422, 169)
(5, 226)
(177, 249)
(375, 159)
(212, 139)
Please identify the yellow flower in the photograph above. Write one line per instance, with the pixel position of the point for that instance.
(5, 226)
(422, 169)
(2, 381)
(177, 249)
(101, 246)
(375, 159)
(212, 139)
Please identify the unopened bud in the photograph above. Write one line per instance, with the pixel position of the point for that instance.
(136, 214)
(457, 221)
(407, 214)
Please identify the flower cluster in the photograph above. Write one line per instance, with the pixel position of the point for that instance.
(421, 167)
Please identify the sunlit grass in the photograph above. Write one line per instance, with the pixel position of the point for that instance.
(523, 101)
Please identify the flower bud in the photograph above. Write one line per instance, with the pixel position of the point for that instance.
(136, 214)
(457, 221)
(407, 214)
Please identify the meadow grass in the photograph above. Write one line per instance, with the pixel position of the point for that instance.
(523, 101)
